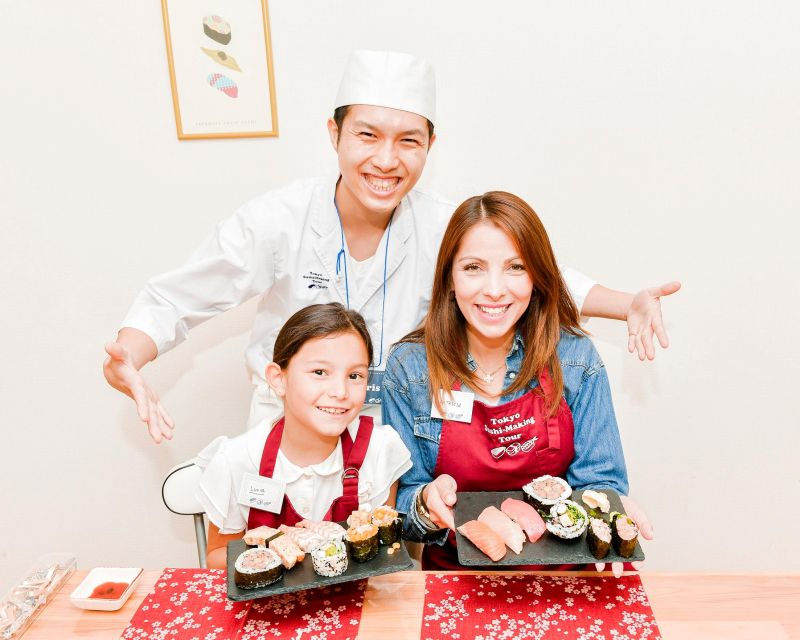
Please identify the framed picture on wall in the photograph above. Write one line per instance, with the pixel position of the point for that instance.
(220, 68)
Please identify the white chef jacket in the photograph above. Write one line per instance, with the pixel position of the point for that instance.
(283, 247)
(311, 490)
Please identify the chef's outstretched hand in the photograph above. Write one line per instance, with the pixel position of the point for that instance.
(644, 319)
(645, 530)
(121, 373)
(439, 497)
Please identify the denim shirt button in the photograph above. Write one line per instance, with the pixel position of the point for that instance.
(512, 375)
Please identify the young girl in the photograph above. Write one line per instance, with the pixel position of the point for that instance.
(502, 327)
(317, 449)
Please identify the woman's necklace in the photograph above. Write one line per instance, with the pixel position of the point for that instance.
(487, 377)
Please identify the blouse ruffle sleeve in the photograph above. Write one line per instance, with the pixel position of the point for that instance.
(387, 459)
(218, 484)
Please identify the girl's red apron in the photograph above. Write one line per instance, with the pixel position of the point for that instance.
(503, 448)
(353, 454)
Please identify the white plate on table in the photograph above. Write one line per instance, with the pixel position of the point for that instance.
(97, 576)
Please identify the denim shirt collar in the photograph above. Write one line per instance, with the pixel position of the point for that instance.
(513, 358)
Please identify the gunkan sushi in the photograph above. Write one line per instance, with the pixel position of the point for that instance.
(598, 536)
(256, 568)
(330, 558)
(389, 524)
(624, 534)
(362, 541)
(543, 492)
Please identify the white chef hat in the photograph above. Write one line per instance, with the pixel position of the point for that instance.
(389, 79)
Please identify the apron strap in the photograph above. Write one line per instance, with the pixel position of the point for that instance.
(353, 454)
(553, 432)
(270, 453)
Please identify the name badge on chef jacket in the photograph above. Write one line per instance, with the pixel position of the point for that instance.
(374, 386)
(457, 406)
(262, 493)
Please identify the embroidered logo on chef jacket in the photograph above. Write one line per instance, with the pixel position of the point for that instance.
(315, 280)
(507, 432)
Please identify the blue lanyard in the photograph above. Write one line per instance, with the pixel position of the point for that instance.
(341, 257)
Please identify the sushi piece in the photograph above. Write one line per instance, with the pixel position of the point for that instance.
(505, 527)
(568, 520)
(543, 492)
(598, 535)
(389, 524)
(222, 58)
(217, 29)
(303, 538)
(624, 534)
(256, 568)
(525, 516)
(358, 518)
(484, 538)
(328, 530)
(329, 558)
(596, 500)
(289, 553)
(362, 541)
(260, 535)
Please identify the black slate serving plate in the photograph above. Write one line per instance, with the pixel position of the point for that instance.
(302, 575)
(548, 550)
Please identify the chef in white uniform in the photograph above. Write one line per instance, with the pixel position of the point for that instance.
(366, 238)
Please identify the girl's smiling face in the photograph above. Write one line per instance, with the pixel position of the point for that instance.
(491, 283)
(324, 384)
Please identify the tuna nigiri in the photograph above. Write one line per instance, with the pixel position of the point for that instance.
(505, 527)
(525, 516)
(484, 538)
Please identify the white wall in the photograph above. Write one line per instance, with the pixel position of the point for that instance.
(656, 140)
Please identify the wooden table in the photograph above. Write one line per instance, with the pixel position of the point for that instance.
(687, 607)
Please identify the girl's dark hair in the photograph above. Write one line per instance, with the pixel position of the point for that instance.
(318, 321)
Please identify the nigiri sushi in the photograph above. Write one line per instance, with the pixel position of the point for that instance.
(484, 538)
(525, 516)
(505, 527)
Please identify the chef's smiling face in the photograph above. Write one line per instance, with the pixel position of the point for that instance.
(324, 384)
(492, 286)
(382, 153)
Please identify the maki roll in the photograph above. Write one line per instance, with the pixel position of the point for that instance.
(329, 558)
(358, 518)
(362, 541)
(388, 523)
(256, 568)
(598, 535)
(624, 534)
(568, 520)
(543, 492)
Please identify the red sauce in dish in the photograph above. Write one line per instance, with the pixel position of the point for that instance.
(109, 590)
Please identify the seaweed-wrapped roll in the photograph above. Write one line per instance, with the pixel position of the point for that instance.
(330, 558)
(388, 523)
(624, 534)
(256, 568)
(568, 520)
(362, 541)
(543, 492)
(598, 535)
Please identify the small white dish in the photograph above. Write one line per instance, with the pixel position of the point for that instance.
(97, 576)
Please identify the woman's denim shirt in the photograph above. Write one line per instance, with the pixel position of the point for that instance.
(406, 405)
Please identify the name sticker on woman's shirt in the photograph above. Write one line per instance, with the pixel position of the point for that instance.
(262, 493)
(457, 406)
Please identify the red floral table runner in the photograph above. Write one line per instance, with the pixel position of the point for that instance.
(536, 607)
(191, 604)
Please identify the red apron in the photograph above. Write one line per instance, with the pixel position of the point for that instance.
(503, 448)
(353, 454)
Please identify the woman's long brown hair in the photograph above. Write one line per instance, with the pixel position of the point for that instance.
(551, 307)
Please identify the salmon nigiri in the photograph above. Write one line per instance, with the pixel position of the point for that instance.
(484, 538)
(525, 516)
(505, 527)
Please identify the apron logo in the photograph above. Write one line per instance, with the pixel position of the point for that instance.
(514, 449)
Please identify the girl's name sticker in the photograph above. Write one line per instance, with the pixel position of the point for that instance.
(262, 493)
